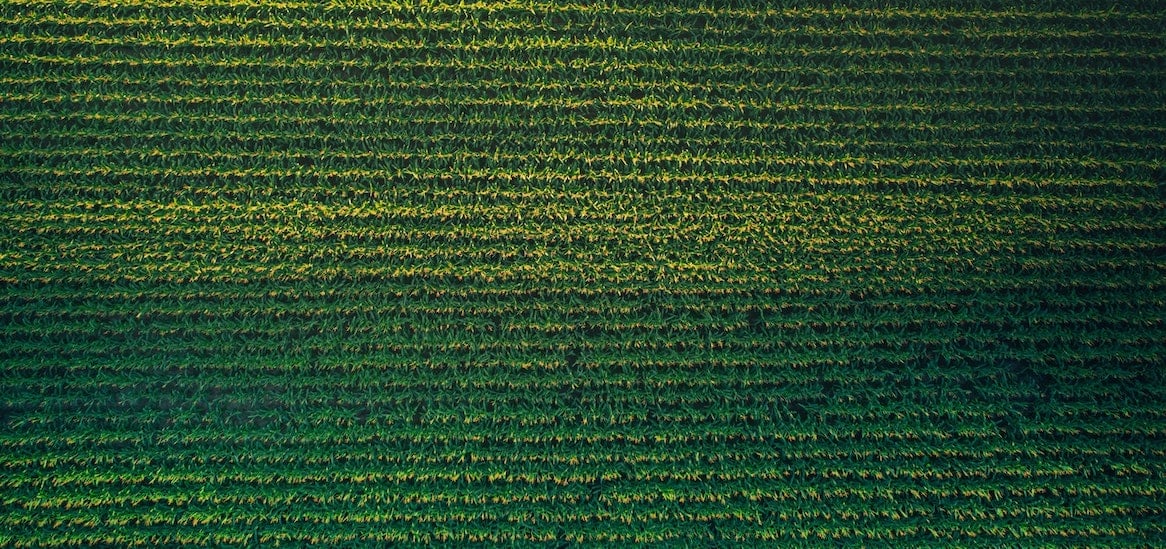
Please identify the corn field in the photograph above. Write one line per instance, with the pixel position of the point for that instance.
(377, 272)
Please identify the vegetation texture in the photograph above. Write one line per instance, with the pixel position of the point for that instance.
(358, 272)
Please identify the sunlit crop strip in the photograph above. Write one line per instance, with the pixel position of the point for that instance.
(379, 272)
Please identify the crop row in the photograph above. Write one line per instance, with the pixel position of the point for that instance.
(588, 78)
(235, 82)
(422, 176)
(793, 275)
(561, 158)
(436, 127)
(49, 123)
(324, 188)
(290, 249)
(661, 409)
(794, 175)
(511, 211)
(533, 186)
(463, 525)
(518, 296)
(360, 316)
(863, 262)
(593, 48)
(985, 30)
(690, 44)
(668, 370)
(792, 501)
(300, 236)
(396, 326)
(1079, 33)
(1135, 475)
(392, 136)
(361, 304)
(1040, 13)
(1129, 460)
(680, 106)
(25, 291)
(486, 382)
(305, 148)
(406, 333)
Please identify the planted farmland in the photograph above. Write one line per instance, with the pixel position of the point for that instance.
(359, 273)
